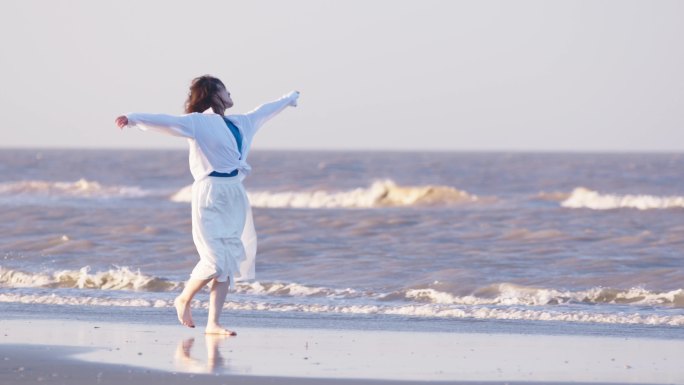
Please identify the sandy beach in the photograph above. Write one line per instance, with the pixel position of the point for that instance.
(90, 351)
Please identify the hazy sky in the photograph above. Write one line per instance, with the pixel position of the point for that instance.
(421, 74)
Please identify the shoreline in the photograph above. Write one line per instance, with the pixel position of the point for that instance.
(341, 321)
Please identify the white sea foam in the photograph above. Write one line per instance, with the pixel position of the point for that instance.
(384, 193)
(125, 278)
(293, 289)
(510, 294)
(81, 188)
(53, 299)
(183, 195)
(502, 294)
(118, 278)
(584, 198)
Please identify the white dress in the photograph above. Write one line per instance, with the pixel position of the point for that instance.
(222, 224)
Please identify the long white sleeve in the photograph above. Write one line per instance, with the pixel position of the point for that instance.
(264, 112)
(182, 126)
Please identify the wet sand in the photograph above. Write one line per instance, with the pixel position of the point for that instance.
(31, 364)
(86, 352)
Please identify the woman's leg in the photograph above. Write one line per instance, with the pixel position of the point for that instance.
(217, 297)
(182, 302)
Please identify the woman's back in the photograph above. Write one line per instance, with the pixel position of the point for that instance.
(213, 147)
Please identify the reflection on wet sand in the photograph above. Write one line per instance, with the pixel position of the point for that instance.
(215, 363)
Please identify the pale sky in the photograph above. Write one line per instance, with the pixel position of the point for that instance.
(374, 75)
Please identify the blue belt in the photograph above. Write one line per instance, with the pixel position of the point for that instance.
(223, 174)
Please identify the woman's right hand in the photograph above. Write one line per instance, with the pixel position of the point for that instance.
(122, 121)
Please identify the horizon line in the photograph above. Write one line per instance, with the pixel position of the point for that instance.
(380, 150)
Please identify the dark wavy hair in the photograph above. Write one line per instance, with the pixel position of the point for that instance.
(201, 95)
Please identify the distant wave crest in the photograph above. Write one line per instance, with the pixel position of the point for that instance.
(384, 193)
(81, 188)
(584, 198)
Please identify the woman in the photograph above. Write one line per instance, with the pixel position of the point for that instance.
(222, 226)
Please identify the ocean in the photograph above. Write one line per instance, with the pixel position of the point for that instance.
(529, 238)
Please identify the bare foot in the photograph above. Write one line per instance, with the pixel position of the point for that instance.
(183, 311)
(220, 330)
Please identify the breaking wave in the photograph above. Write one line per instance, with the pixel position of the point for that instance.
(505, 294)
(119, 278)
(385, 193)
(81, 188)
(504, 301)
(584, 198)
(294, 290)
(510, 294)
